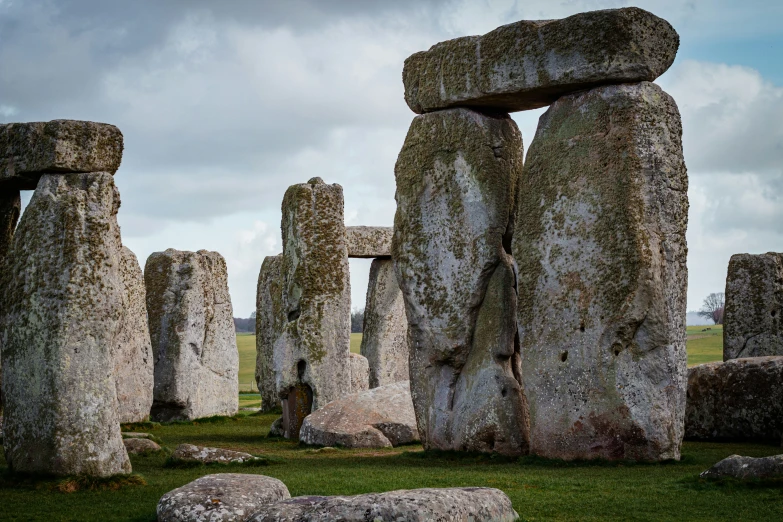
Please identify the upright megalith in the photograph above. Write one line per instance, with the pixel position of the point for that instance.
(60, 312)
(385, 336)
(311, 361)
(134, 364)
(456, 176)
(752, 325)
(10, 208)
(600, 247)
(192, 333)
(270, 322)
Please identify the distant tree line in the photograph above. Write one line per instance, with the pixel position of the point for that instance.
(713, 307)
(245, 325)
(357, 321)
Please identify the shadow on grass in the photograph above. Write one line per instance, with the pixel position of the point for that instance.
(536, 461)
(174, 463)
(69, 484)
(729, 484)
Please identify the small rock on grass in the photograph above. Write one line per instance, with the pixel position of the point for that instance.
(744, 468)
(191, 453)
(140, 445)
(136, 435)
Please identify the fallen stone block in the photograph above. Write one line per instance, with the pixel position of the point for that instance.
(192, 453)
(369, 242)
(745, 468)
(139, 446)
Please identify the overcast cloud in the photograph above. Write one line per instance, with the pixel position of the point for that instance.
(224, 105)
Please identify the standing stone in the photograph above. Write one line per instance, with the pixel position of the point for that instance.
(530, 64)
(360, 372)
(311, 361)
(134, 366)
(192, 333)
(61, 310)
(270, 322)
(385, 336)
(10, 209)
(600, 247)
(369, 242)
(752, 324)
(456, 181)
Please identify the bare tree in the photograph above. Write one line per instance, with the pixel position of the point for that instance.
(713, 307)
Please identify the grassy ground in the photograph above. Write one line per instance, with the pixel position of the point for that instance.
(705, 344)
(356, 342)
(246, 342)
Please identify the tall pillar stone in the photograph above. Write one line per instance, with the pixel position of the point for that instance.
(10, 209)
(385, 336)
(600, 247)
(61, 310)
(752, 325)
(192, 333)
(270, 321)
(456, 180)
(311, 358)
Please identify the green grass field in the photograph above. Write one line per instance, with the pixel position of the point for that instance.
(705, 344)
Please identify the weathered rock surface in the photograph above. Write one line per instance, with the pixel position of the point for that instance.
(270, 324)
(378, 418)
(32, 149)
(530, 64)
(222, 497)
(740, 399)
(61, 307)
(745, 468)
(456, 181)
(311, 358)
(10, 209)
(134, 365)
(192, 453)
(414, 505)
(360, 373)
(369, 242)
(192, 333)
(385, 335)
(600, 247)
(752, 324)
(138, 446)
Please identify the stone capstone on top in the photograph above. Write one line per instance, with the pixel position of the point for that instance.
(368, 242)
(28, 150)
(744, 468)
(530, 64)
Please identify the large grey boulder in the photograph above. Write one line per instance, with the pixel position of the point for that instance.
(740, 399)
(456, 182)
(60, 312)
(413, 505)
(192, 333)
(222, 497)
(134, 365)
(378, 418)
(311, 358)
(28, 150)
(270, 323)
(600, 246)
(530, 64)
(752, 325)
(368, 242)
(744, 468)
(140, 446)
(385, 335)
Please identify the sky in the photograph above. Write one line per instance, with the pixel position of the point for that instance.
(223, 105)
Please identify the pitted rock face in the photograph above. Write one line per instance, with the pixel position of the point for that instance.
(530, 64)
(192, 333)
(270, 323)
(413, 505)
(314, 348)
(192, 453)
(378, 418)
(456, 180)
(744, 468)
(61, 310)
(222, 497)
(134, 366)
(140, 446)
(740, 399)
(10, 209)
(385, 335)
(600, 247)
(65, 146)
(752, 322)
(360, 373)
(368, 242)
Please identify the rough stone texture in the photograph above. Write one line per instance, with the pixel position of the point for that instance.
(385, 336)
(740, 399)
(28, 150)
(745, 468)
(270, 323)
(360, 373)
(456, 180)
(192, 333)
(192, 453)
(276, 430)
(138, 446)
(369, 242)
(134, 366)
(223, 497)
(311, 361)
(530, 64)
(414, 505)
(600, 247)
(10, 208)
(61, 307)
(752, 324)
(378, 418)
